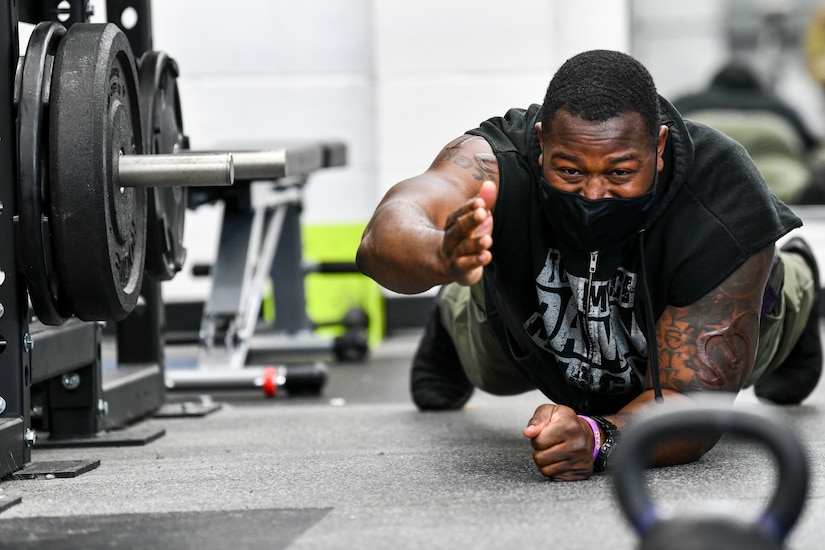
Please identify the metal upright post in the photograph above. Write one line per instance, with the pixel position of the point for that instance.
(139, 31)
(15, 340)
(287, 272)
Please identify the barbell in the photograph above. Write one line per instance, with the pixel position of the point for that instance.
(103, 169)
(82, 177)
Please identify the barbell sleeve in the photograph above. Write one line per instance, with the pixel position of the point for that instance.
(260, 165)
(176, 170)
(269, 164)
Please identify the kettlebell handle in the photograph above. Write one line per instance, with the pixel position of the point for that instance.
(696, 418)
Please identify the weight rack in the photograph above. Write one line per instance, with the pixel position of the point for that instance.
(52, 381)
(53, 375)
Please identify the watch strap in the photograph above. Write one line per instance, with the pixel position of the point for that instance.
(611, 439)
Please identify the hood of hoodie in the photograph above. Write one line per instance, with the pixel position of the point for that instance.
(678, 158)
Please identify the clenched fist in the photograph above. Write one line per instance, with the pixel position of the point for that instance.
(562, 443)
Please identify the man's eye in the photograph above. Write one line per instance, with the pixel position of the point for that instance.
(569, 171)
(624, 175)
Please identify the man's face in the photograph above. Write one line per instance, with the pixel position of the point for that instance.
(614, 158)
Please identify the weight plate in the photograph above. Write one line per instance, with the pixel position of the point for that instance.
(99, 227)
(34, 231)
(162, 133)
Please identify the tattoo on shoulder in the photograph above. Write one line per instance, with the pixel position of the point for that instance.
(711, 344)
(483, 165)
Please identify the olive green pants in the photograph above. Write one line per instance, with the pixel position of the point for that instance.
(488, 368)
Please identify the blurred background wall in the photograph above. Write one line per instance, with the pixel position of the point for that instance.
(684, 43)
(396, 80)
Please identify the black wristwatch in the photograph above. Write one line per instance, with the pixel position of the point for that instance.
(611, 438)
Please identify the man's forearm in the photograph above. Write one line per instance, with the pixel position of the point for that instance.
(400, 248)
(672, 452)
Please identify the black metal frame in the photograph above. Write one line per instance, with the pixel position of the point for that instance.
(15, 359)
(52, 379)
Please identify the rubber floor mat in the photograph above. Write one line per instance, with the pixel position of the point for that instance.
(234, 529)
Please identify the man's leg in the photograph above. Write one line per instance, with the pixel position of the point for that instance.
(789, 371)
(437, 381)
(458, 352)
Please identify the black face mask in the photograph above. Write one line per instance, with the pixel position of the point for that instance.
(594, 225)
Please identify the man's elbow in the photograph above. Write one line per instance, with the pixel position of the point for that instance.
(685, 452)
(362, 257)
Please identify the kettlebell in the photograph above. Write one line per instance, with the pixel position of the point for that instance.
(696, 417)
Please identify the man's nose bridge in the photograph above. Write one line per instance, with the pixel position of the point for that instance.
(594, 188)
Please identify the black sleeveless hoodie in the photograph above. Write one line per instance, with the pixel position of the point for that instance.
(578, 328)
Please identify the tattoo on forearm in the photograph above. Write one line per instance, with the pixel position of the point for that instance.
(711, 344)
(483, 165)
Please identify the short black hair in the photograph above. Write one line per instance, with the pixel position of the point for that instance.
(598, 85)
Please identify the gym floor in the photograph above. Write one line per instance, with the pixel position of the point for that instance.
(359, 467)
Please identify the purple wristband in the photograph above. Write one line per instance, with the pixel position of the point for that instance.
(597, 435)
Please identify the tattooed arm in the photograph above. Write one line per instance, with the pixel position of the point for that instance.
(709, 345)
(435, 228)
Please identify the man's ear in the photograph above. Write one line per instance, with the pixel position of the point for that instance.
(541, 143)
(661, 141)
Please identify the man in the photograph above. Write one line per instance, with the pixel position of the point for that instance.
(603, 250)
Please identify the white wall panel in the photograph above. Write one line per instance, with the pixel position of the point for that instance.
(443, 67)
(591, 24)
(461, 36)
(276, 37)
(440, 109)
(257, 72)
